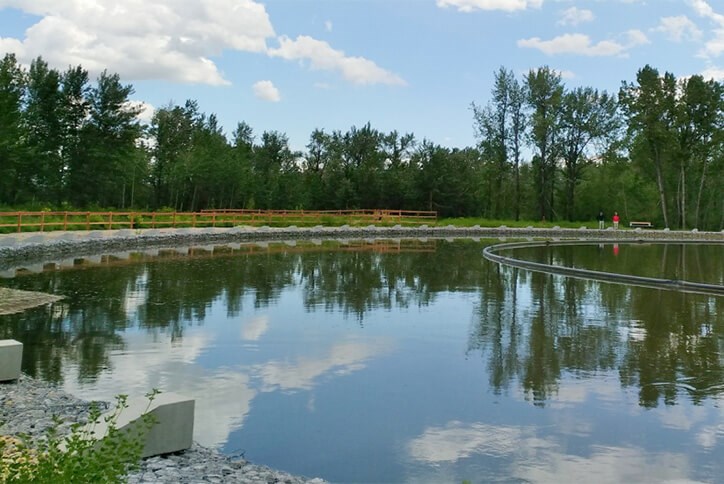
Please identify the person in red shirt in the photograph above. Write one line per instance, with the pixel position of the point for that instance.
(616, 220)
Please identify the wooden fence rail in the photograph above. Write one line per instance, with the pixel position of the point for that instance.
(42, 221)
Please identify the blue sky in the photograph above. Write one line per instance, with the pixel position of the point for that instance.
(410, 65)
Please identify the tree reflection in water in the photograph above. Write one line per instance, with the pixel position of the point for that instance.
(532, 329)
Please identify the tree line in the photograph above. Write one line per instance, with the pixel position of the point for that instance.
(653, 151)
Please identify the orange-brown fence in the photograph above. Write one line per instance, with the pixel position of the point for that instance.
(43, 221)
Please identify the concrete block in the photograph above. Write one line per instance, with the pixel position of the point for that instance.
(172, 432)
(11, 358)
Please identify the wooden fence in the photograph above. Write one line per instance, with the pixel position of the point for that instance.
(48, 221)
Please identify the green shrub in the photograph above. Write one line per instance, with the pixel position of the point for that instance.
(79, 457)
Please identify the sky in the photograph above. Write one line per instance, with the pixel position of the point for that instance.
(414, 66)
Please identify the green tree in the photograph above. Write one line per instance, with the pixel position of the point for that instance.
(649, 105)
(276, 172)
(397, 150)
(700, 120)
(101, 172)
(13, 153)
(172, 130)
(43, 121)
(74, 111)
(242, 152)
(493, 129)
(545, 99)
(587, 116)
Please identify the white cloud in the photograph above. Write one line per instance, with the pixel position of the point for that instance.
(566, 74)
(255, 328)
(575, 16)
(703, 8)
(166, 39)
(715, 46)
(573, 44)
(328, 25)
(322, 56)
(607, 464)
(302, 374)
(679, 28)
(635, 37)
(265, 90)
(8, 44)
(457, 440)
(715, 73)
(505, 5)
(580, 44)
(146, 111)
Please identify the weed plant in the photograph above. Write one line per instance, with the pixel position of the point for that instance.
(81, 456)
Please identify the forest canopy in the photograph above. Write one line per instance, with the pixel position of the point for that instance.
(652, 151)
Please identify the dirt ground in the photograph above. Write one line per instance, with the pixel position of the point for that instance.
(15, 301)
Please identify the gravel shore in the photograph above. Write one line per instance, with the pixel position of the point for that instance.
(28, 406)
(37, 247)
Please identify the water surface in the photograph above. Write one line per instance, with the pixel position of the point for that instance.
(401, 361)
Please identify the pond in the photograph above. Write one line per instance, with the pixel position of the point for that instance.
(403, 360)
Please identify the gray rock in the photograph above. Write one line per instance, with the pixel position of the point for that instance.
(28, 406)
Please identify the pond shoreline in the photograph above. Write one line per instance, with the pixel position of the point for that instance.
(36, 246)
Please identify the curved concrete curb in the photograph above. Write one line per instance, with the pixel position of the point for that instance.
(490, 253)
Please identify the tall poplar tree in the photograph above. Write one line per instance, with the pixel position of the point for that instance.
(43, 120)
(13, 154)
(650, 106)
(545, 99)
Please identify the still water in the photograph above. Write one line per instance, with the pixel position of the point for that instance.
(403, 361)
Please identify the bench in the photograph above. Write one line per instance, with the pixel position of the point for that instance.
(646, 225)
